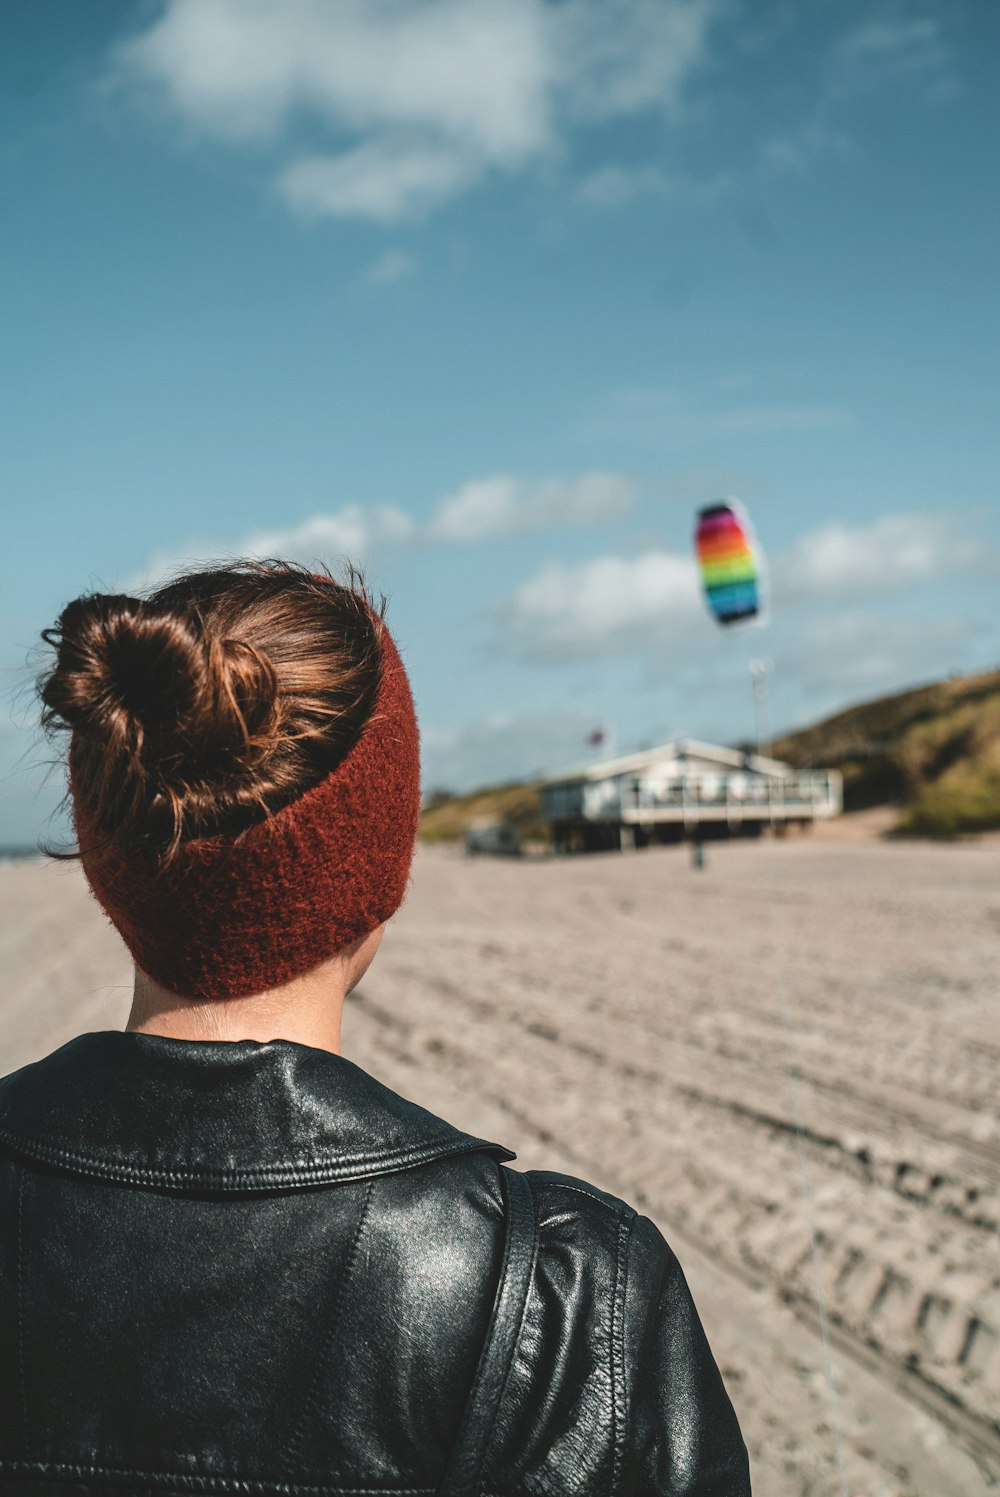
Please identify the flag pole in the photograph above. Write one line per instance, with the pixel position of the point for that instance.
(760, 673)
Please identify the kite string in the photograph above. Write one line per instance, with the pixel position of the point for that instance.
(798, 1112)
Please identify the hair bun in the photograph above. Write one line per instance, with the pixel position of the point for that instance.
(173, 706)
(208, 706)
(124, 661)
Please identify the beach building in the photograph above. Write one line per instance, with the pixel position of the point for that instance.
(683, 789)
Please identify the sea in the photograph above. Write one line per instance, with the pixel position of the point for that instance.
(16, 853)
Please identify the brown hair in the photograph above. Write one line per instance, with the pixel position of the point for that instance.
(210, 704)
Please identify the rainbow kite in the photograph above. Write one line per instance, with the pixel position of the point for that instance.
(730, 563)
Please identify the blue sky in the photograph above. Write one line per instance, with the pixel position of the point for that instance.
(491, 297)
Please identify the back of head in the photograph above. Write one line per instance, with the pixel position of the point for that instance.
(243, 765)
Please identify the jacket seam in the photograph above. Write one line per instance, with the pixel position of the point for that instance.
(491, 1441)
(311, 1171)
(293, 1446)
(480, 1373)
(594, 1200)
(619, 1389)
(21, 1376)
(194, 1482)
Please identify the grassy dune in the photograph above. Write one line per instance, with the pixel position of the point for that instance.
(518, 803)
(934, 752)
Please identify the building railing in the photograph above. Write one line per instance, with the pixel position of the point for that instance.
(785, 790)
(738, 796)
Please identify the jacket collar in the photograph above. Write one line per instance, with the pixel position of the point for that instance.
(215, 1115)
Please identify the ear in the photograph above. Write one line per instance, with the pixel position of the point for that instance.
(362, 954)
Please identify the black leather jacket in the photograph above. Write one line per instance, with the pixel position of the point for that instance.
(251, 1268)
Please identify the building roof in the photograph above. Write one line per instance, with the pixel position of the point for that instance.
(678, 748)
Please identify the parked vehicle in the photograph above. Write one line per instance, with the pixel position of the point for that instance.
(500, 838)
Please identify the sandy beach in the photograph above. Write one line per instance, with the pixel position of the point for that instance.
(787, 1059)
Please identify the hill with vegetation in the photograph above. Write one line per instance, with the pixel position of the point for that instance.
(445, 817)
(933, 752)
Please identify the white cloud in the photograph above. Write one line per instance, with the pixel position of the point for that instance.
(394, 265)
(386, 181)
(874, 58)
(617, 57)
(644, 414)
(481, 510)
(644, 605)
(414, 100)
(504, 505)
(858, 653)
(878, 51)
(347, 534)
(245, 68)
(891, 554)
(502, 746)
(614, 186)
(763, 419)
(602, 607)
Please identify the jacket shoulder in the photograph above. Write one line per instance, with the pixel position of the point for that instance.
(633, 1399)
(564, 1398)
(557, 1192)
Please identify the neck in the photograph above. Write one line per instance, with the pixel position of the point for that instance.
(308, 1010)
(309, 1015)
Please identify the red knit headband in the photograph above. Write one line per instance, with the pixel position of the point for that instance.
(237, 914)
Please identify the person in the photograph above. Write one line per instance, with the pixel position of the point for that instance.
(231, 1260)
